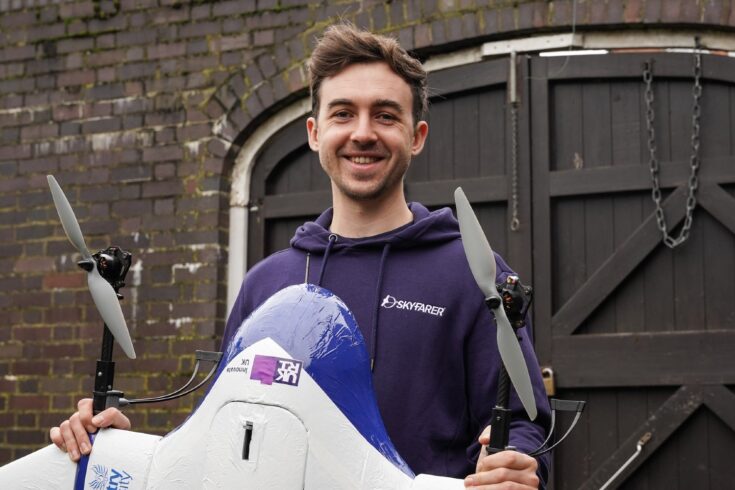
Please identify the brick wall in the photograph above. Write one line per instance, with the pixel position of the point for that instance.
(139, 107)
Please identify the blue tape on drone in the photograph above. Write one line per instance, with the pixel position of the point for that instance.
(316, 327)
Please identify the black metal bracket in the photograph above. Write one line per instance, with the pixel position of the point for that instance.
(201, 356)
(562, 406)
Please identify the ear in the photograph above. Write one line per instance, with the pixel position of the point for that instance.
(313, 133)
(419, 137)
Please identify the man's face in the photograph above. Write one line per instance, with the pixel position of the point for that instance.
(365, 134)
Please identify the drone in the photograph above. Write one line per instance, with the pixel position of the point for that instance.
(290, 404)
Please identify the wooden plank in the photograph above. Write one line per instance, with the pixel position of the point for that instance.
(688, 299)
(596, 124)
(297, 204)
(722, 402)
(626, 178)
(280, 231)
(664, 422)
(441, 192)
(616, 268)
(567, 121)
(630, 65)
(468, 77)
(288, 139)
(599, 244)
(678, 115)
(465, 161)
(718, 203)
(598, 234)
(722, 447)
(492, 219)
(569, 271)
(627, 127)
(658, 280)
(719, 257)
(715, 119)
(691, 447)
(296, 171)
(601, 410)
(629, 299)
(645, 359)
(541, 214)
(440, 144)
(731, 122)
(494, 137)
(632, 409)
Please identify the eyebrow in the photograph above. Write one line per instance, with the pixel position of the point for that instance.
(388, 103)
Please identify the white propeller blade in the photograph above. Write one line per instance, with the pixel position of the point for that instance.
(482, 264)
(68, 218)
(105, 299)
(103, 294)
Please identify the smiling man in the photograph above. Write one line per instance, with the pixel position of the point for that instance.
(400, 268)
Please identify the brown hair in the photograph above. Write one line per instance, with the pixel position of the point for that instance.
(344, 44)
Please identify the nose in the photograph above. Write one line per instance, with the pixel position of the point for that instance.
(364, 132)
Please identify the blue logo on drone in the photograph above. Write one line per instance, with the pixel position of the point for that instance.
(109, 479)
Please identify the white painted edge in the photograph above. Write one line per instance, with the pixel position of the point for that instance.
(240, 193)
(655, 38)
(238, 252)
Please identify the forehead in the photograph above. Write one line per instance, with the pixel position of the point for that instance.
(366, 83)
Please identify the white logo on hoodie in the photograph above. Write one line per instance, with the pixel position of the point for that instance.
(391, 302)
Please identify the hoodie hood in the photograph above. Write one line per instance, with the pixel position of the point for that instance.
(427, 227)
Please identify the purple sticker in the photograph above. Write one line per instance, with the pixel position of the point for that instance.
(269, 370)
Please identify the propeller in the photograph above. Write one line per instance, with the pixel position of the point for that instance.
(482, 264)
(103, 294)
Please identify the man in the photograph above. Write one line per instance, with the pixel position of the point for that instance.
(400, 268)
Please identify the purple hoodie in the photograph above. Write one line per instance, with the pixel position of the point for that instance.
(427, 329)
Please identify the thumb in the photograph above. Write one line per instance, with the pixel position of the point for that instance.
(484, 438)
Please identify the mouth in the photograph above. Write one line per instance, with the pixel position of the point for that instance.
(363, 160)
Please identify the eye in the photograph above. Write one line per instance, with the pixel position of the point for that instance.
(341, 114)
(386, 117)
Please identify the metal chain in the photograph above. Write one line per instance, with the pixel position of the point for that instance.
(693, 181)
(515, 223)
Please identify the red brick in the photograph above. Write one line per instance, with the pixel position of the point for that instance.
(26, 402)
(34, 264)
(65, 280)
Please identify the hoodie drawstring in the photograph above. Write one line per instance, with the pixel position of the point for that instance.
(378, 287)
(332, 241)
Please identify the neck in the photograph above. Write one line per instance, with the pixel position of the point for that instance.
(359, 219)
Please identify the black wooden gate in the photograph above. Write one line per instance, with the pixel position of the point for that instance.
(644, 334)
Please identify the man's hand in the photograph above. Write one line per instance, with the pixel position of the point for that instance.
(72, 435)
(503, 470)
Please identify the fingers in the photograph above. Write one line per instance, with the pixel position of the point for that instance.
(484, 438)
(84, 409)
(69, 441)
(72, 435)
(56, 438)
(111, 417)
(509, 468)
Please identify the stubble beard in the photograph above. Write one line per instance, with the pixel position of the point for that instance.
(382, 188)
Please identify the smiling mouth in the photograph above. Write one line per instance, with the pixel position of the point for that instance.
(363, 160)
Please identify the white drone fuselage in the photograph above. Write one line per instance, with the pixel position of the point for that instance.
(266, 423)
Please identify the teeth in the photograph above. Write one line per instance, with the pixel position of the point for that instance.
(363, 159)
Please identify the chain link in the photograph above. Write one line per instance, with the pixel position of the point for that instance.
(693, 182)
(515, 223)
